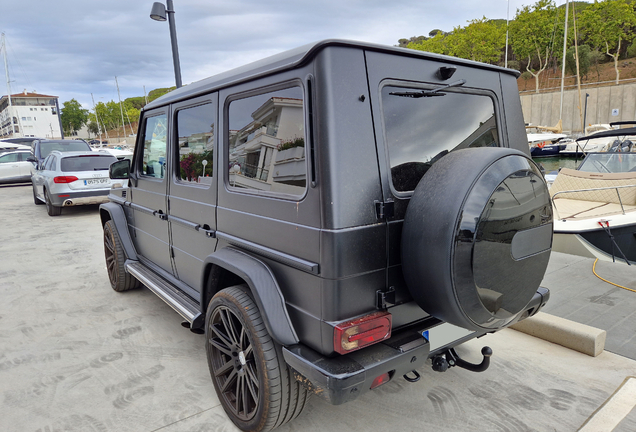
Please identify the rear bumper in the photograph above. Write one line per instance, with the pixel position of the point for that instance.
(68, 198)
(344, 378)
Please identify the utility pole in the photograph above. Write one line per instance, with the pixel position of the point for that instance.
(565, 40)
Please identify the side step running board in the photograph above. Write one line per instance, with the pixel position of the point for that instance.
(178, 301)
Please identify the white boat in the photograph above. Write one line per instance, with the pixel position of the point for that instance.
(595, 208)
(603, 138)
(545, 144)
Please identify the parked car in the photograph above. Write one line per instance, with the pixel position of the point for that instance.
(9, 147)
(14, 167)
(333, 218)
(72, 178)
(20, 140)
(41, 148)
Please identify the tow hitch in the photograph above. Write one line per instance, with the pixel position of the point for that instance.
(450, 358)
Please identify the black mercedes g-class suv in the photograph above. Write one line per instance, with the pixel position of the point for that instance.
(331, 218)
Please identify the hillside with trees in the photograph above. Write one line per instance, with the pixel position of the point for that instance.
(602, 32)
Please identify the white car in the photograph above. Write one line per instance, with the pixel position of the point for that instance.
(14, 167)
(67, 179)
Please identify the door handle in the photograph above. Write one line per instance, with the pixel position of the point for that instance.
(160, 214)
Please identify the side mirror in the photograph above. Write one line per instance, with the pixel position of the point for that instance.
(32, 159)
(119, 170)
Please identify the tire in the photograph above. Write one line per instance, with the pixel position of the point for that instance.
(255, 386)
(50, 208)
(477, 237)
(36, 200)
(120, 279)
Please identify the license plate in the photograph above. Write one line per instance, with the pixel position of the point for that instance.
(444, 334)
(95, 181)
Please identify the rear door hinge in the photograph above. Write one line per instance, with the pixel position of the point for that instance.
(385, 298)
(384, 210)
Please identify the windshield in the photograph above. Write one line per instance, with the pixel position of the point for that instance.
(87, 163)
(609, 162)
(62, 146)
(421, 130)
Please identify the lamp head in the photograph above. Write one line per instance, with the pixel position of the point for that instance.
(158, 12)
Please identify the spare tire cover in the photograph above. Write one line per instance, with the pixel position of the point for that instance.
(477, 237)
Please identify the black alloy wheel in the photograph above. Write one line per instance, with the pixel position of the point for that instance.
(120, 279)
(251, 379)
(234, 364)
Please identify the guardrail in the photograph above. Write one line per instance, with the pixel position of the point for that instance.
(616, 188)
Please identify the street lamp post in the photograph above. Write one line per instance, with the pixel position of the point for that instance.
(158, 13)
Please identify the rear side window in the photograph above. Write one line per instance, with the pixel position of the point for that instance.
(420, 130)
(267, 143)
(63, 146)
(195, 132)
(154, 151)
(86, 163)
(11, 157)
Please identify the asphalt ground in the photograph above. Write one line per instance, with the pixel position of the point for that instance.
(77, 356)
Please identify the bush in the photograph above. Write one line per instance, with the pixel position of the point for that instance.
(631, 51)
(526, 75)
(295, 142)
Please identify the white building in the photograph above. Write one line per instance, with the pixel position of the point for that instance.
(34, 115)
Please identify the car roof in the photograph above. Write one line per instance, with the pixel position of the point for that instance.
(295, 58)
(60, 140)
(79, 153)
(4, 152)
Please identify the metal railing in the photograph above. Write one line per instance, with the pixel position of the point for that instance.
(253, 171)
(616, 188)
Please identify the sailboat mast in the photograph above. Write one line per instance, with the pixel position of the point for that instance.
(565, 40)
(121, 108)
(3, 47)
(578, 72)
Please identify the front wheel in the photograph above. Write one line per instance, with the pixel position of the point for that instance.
(36, 200)
(120, 279)
(251, 379)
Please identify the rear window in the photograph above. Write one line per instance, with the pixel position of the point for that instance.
(422, 127)
(87, 163)
(62, 146)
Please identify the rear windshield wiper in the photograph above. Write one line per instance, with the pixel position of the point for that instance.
(429, 93)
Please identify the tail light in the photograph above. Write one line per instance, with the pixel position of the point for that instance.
(360, 332)
(65, 179)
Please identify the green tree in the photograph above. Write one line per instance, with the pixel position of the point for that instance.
(481, 40)
(533, 33)
(607, 24)
(437, 44)
(92, 126)
(584, 60)
(73, 116)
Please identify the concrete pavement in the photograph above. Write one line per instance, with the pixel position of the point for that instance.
(77, 356)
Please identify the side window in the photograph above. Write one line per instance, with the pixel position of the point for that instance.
(421, 130)
(195, 132)
(12, 157)
(49, 162)
(154, 151)
(267, 143)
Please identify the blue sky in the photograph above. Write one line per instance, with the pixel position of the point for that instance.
(72, 48)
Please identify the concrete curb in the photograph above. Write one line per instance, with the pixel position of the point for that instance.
(570, 334)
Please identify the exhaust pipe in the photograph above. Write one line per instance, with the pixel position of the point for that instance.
(68, 203)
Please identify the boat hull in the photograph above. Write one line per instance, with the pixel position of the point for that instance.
(547, 150)
(596, 243)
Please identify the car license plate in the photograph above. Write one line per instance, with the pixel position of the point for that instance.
(95, 181)
(444, 334)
